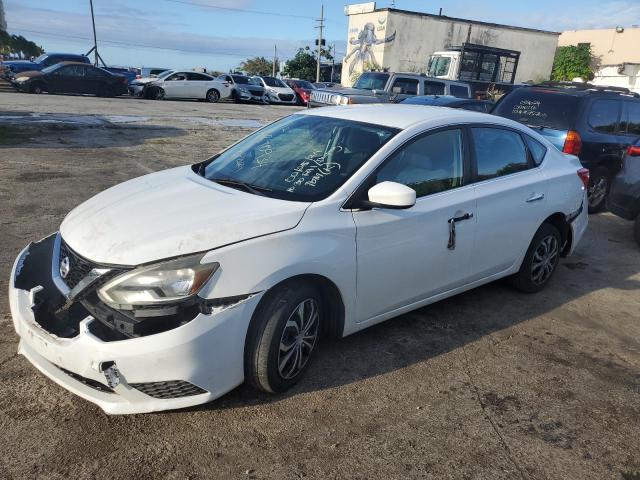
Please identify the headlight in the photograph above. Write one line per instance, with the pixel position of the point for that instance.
(161, 283)
(22, 79)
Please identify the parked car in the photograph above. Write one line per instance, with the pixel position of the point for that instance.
(71, 77)
(276, 91)
(326, 84)
(302, 88)
(388, 87)
(182, 84)
(483, 106)
(244, 88)
(172, 289)
(13, 67)
(624, 197)
(126, 72)
(597, 124)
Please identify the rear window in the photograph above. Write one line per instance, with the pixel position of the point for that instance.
(539, 108)
(458, 91)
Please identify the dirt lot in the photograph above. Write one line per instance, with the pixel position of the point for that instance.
(491, 384)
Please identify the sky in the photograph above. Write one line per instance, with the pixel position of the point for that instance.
(219, 34)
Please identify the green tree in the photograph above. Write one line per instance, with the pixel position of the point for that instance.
(258, 66)
(18, 44)
(303, 64)
(571, 62)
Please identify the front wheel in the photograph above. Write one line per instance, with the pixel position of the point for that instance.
(155, 93)
(282, 337)
(540, 261)
(213, 96)
(598, 189)
(37, 89)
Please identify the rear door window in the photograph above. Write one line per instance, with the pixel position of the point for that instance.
(405, 86)
(499, 152)
(459, 91)
(537, 150)
(539, 108)
(631, 118)
(603, 115)
(197, 77)
(433, 88)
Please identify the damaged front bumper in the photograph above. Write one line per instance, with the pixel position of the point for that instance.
(191, 364)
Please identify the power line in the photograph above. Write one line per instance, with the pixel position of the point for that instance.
(128, 44)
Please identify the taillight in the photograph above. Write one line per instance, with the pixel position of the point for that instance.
(583, 173)
(573, 143)
(633, 151)
(138, 76)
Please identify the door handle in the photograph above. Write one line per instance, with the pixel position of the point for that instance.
(451, 245)
(535, 197)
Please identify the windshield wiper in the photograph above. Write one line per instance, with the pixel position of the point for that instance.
(248, 187)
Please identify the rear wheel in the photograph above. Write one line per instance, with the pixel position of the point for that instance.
(213, 96)
(636, 230)
(282, 337)
(598, 189)
(540, 261)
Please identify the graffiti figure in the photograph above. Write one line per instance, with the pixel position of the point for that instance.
(363, 54)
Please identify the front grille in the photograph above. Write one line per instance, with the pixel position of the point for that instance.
(78, 266)
(168, 389)
(88, 381)
(257, 93)
(322, 97)
(285, 97)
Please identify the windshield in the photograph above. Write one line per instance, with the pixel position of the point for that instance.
(41, 58)
(438, 66)
(304, 84)
(539, 108)
(51, 68)
(301, 157)
(242, 80)
(274, 82)
(372, 81)
(164, 74)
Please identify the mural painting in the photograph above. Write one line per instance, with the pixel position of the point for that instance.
(362, 52)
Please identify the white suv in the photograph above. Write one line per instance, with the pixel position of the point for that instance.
(172, 289)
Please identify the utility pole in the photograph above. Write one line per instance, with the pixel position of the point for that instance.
(320, 42)
(275, 59)
(333, 61)
(94, 49)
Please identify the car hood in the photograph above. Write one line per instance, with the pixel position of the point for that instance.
(349, 91)
(283, 90)
(31, 73)
(171, 213)
(20, 63)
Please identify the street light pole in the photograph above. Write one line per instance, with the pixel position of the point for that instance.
(320, 42)
(275, 56)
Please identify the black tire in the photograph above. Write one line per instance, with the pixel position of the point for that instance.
(544, 250)
(599, 183)
(213, 96)
(235, 97)
(37, 88)
(266, 365)
(636, 230)
(155, 93)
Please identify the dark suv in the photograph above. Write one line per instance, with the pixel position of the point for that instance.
(624, 197)
(597, 124)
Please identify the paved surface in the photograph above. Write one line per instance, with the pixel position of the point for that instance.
(491, 384)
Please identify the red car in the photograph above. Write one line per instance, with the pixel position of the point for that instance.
(302, 89)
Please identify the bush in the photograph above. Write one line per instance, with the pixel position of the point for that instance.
(571, 62)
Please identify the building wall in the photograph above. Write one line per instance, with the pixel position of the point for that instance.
(608, 46)
(418, 36)
(617, 55)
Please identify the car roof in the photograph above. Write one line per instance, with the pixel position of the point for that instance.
(403, 116)
(577, 90)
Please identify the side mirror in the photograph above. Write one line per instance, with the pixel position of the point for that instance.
(391, 195)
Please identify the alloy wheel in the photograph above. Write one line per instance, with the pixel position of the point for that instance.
(213, 96)
(597, 191)
(545, 259)
(298, 338)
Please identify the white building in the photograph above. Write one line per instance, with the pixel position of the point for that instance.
(402, 41)
(616, 52)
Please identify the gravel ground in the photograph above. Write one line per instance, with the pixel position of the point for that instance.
(491, 384)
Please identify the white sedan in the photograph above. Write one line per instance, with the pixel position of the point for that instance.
(172, 289)
(276, 91)
(181, 84)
